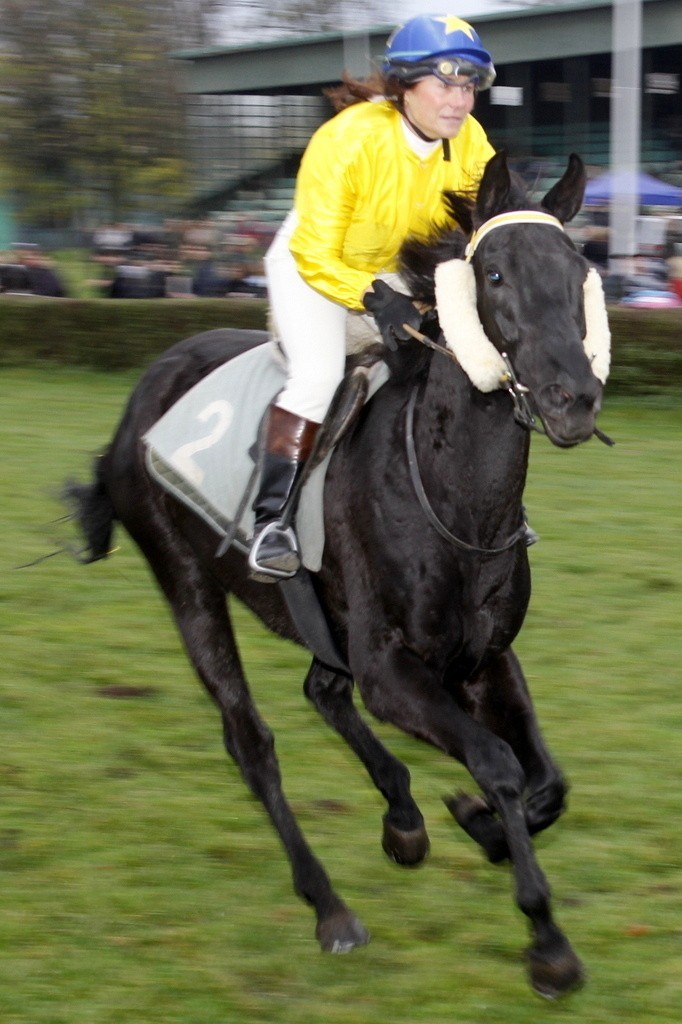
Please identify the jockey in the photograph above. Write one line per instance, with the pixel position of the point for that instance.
(370, 176)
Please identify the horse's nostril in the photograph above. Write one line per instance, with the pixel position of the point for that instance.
(557, 397)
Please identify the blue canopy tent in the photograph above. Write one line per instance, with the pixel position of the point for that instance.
(650, 191)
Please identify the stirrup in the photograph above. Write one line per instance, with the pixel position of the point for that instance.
(261, 570)
(531, 537)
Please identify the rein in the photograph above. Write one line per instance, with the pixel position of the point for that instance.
(426, 506)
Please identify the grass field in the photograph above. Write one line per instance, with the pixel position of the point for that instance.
(141, 882)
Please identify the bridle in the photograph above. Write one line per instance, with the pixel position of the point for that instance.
(503, 219)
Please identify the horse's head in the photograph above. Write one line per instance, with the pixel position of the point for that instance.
(536, 302)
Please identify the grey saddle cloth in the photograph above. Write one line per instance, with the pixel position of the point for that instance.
(203, 450)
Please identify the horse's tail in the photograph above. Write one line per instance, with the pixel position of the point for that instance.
(93, 511)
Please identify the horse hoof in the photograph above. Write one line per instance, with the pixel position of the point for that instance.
(341, 932)
(408, 848)
(556, 977)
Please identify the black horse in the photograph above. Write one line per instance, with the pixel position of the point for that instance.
(424, 595)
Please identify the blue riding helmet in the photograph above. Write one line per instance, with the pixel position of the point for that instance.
(441, 45)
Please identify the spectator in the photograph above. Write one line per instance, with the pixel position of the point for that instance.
(13, 276)
(650, 272)
(206, 280)
(178, 283)
(596, 247)
(244, 279)
(41, 277)
(105, 264)
(675, 269)
(131, 280)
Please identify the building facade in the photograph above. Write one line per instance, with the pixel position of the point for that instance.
(255, 107)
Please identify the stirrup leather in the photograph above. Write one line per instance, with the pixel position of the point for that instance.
(288, 538)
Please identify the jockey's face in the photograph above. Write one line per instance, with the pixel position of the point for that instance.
(439, 109)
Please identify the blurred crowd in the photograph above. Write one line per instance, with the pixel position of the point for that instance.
(181, 259)
(27, 270)
(224, 258)
(652, 278)
(204, 259)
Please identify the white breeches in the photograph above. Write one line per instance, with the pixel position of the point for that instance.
(311, 329)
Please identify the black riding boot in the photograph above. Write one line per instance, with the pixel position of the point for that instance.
(288, 441)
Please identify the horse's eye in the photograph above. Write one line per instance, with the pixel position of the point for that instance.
(494, 276)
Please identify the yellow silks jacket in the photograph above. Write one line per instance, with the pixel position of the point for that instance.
(361, 191)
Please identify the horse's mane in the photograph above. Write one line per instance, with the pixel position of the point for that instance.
(419, 257)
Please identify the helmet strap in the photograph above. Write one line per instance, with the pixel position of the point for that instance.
(417, 131)
(425, 138)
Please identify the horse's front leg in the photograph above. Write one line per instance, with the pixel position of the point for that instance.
(404, 836)
(498, 698)
(398, 687)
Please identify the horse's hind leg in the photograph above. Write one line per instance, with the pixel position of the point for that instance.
(200, 610)
(503, 704)
(404, 837)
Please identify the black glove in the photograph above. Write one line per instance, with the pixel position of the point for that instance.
(391, 310)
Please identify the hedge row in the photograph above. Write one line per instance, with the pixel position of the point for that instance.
(646, 351)
(111, 334)
(120, 334)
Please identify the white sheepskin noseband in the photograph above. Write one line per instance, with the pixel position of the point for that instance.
(460, 323)
(464, 335)
(597, 340)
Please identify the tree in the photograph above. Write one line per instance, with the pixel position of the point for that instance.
(92, 126)
(91, 123)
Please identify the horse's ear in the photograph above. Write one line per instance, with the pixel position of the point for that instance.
(493, 192)
(566, 197)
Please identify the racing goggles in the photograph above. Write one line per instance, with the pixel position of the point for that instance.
(450, 70)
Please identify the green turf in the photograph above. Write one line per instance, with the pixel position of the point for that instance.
(141, 882)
